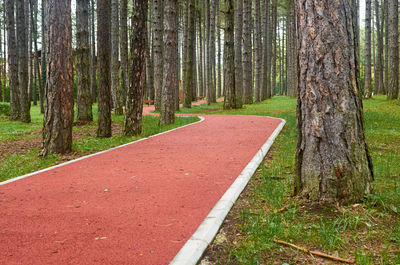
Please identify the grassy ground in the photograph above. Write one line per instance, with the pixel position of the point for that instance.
(20, 142)
(368, 233)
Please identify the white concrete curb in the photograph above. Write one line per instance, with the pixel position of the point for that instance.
(192, 251)
(98, 153)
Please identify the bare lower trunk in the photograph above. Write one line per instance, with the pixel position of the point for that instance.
(238, 27)
(332, 159)
(115, 85)
(137, 70)
(157, 51)
(367, 72)
(257, 53)
(229, 57)
(379, 61)
(247, 52)
(59, 114)
(393, 19)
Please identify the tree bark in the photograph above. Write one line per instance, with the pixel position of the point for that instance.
(379, 61)
(34, 11)
(93, 77)
(247, 53)
(274, 46)
(115, 85)
(167, 114)
(266, 74)
(149, 59)
(22, 46)
(211, 95)
(238, 63)
(367, 72)
(124, 48)
(59, 114)
(137, 70)
(332, 159)
(15, 106)
(201, 62)
(157, 51)
(219, 65)
(43, 58)
(190, 46)
(385, 8)
(229, 57)
(84, 97)
(104, 75)
(393, 52)
(258, 55)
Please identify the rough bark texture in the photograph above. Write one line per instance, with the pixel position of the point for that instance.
(229, 57)
(379, 61)
(190, 65)
(157, 51)
(84, 97)
(367, 71)
(266, 73)
(167, 115)
(385, 11)
(137, 70)
(104, 59)
(22, 46)
(219, 55)
(274, 46)
(149, 59)
(15, 106)
(124, 48)
(291, 51)
(247, 52)
(43, 54)
(238, 64)
(393, 49)
(201, 57)
(59, 113)
(34, 11)
(115, 85)
(211, 95)
(258, 55)
(332, 159)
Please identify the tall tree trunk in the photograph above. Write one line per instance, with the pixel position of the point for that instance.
(291, 52)
(149, 59)
(266, 74)
(43, 58)
(219, 65)
(104, 75)
(167, 114)
(194, 54)
(258, 53)
(124, 48)
(137, 70)
(274, 50)
(247, 53)
(158, 51)
(15, 106)
(238, 64)
(189, 75)
(201, 62)
(208, 70)
(379, 61)
(211, 96)
(393, 19)
(332, 159)
(84, 97)
(229, 57)
(115, 85)
(386, 85)
(34, 11)
(59, 114)
(367, 72)
(93, 66)
(22, 46)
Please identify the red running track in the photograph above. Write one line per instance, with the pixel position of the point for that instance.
(137, 204)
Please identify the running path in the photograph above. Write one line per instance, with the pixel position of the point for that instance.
(137, 204)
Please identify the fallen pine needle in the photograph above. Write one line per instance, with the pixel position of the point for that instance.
(314, 252)
(279, 210)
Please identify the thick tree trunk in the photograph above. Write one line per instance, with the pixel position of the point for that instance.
(367, 72)
(149, 58)
(104, 75)
(15, 106)
(167, 114)
(274, 50)
(379, 61)
(332, 159)
(23, 74)
(238, 64)
(393, 43)
(84, 97)
(59, 114)
(258, 55)
(247, 53)
(43, 59)
(385, 8)
(190, 46)
(115, 85)
(266, 73)
(219, 46)
(124, 49)
(291, 52)
(158, 51)
(229, 57)
(137, 70)
(201, 62)
(211, 95)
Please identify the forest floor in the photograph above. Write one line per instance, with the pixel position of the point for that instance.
(20, 142)
(368, 233)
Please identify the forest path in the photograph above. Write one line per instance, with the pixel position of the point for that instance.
(137, 204)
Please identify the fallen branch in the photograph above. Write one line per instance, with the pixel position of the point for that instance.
(279, 210)
(314, 252)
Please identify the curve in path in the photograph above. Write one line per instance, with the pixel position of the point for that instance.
(137, 204)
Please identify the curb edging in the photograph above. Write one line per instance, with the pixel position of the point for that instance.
(194, 248)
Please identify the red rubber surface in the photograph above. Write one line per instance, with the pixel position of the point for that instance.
(137, 204)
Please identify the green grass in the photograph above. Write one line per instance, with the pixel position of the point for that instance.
(363, 232)
(13, 165)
